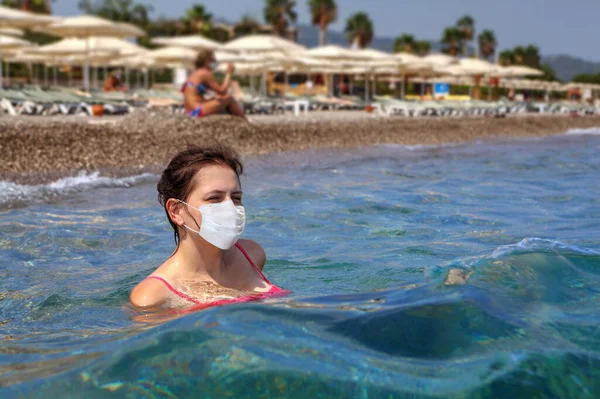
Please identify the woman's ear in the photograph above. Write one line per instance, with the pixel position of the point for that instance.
(174, 209)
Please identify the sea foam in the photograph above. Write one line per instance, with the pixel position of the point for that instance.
(13, 193)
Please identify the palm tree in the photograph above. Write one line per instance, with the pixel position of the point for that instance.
(405, 44)
(518, 55)
(119, 10)
(507, 57)
(197, 19)
(466, 25)
(452, 38)
(323, 13)
(487, 43)
(279, 13)
(422, 47)
(246, 26)
(37, 6)
(359, 29)
(532, 57)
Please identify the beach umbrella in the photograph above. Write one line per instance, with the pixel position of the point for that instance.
(173, 55)
(470, 67)
(195, 42)
(440, 60)
(11, 18)
(77, 46)
(86, 26)
(98, 50)
(10, 43)
(12, 32)
(517, 71)
(333, 53)
(225, 58)
(262, 43)
(265, 45)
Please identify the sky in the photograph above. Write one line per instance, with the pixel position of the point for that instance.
(555, 26)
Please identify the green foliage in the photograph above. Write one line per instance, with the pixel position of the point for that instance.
(507, 57)
(246, 26)
(323, 13)
(452, 39)
(359, 27)
(423, 47)
(466, 26)
(197, 20)
(405, 44)
(37, 6)
(528, 56)
(593, 78)
(39, 37)
(119, 10)
(280, 13)
(487, 43)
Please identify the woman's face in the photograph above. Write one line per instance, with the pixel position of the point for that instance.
(212, 184)
(210, 60)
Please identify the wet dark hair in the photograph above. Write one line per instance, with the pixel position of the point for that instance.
(202, 57)
(177, 180)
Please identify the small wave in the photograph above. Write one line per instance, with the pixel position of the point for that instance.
(591, 130)
(537, 244)
(13, 193)
(418, 147)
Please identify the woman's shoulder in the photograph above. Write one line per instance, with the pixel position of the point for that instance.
(150, 292)
(255, 251)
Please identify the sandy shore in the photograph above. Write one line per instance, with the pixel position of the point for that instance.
(40, 149)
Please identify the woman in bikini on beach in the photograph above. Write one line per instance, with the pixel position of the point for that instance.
(201, 193)
(203, 95)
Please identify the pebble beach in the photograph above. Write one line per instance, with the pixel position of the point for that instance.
(41, 149)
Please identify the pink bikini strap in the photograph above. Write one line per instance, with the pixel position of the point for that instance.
(252, 263)
(174, 291)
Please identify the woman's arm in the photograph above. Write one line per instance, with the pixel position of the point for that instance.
(220, 89)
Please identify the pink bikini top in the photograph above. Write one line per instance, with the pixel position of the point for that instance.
(274, 291)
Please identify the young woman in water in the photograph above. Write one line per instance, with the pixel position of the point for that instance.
(203, 95)
(201, 193)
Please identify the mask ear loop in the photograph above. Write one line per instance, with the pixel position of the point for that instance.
(194, 219)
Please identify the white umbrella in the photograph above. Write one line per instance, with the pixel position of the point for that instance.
(262, 43)
(196, 42)
(77, 46)
(517, 71)
(469, 67)
(173, 55)
(12, 32)
(86, 26)
(10, 43)
(10, 18)
(265, 45)
(225, 58)
(440, 60)
(333, 53)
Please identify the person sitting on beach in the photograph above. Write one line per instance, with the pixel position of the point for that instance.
(201, 193)
(203, 95)
(113, 82)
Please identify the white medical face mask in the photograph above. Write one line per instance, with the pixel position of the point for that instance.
(213, 65)
(222, 223)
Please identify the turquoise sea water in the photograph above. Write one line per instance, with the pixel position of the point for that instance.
(376, 245)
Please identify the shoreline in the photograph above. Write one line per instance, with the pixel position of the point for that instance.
(37, 150)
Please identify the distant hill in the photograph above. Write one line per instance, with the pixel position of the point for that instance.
(566, 66)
